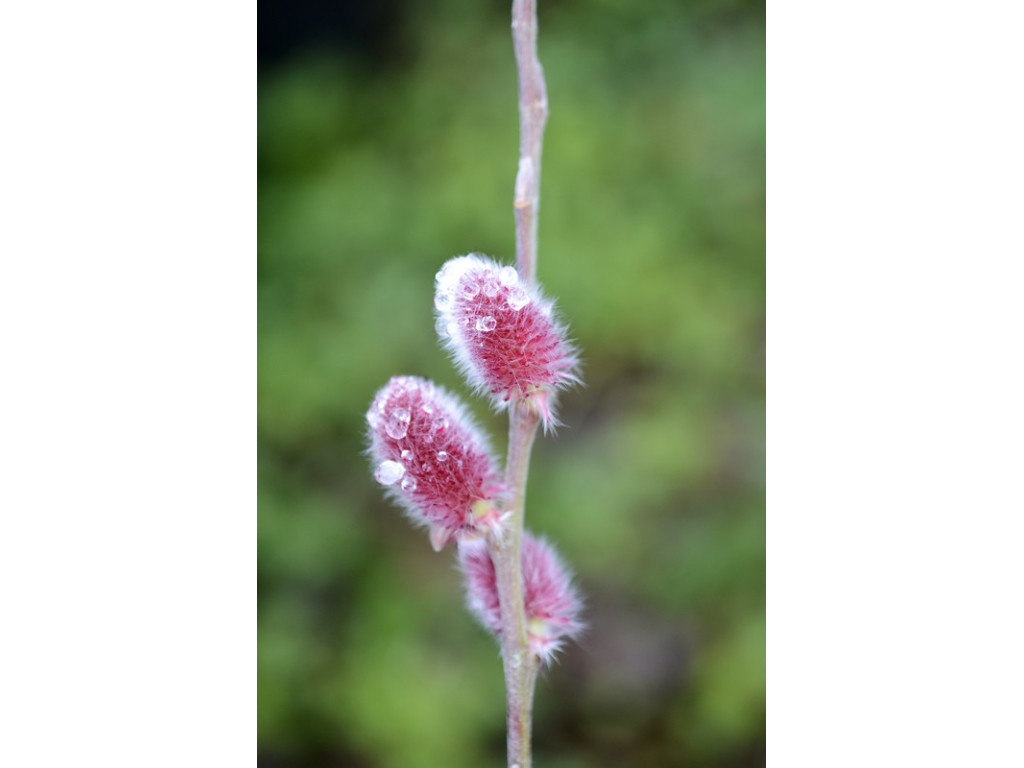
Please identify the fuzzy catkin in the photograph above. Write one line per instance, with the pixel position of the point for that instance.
(550, 601)
(433, 459)
(503, 335)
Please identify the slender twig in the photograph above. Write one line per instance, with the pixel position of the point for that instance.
(533, 115)
(520, 663)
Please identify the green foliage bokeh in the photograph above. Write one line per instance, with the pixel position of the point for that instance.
(652, 241)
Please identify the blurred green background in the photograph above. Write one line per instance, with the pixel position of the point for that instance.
(388, 139)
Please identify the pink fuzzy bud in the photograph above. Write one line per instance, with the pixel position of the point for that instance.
(551, 604)
(502, 334)
(433, 460)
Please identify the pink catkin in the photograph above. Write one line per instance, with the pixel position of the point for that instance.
(433, 460)
(551, 604)
(502, 334)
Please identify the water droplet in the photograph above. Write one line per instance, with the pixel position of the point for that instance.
(443, 301)
(490, 288)
(398, 423)
(373, 418)
(427, 408)
(427, 468)
(470, 289)
(406, 455)
(518, 299)
(486, 324)
(440, 425)
(442, 456)
(442, 328)
(508, 276)
(389, 472)
(409, 484)
(452, 328)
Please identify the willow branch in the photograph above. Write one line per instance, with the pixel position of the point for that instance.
(520, 663)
